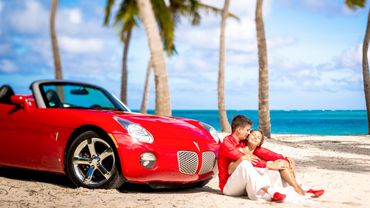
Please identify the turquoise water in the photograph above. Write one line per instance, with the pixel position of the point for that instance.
(327, 122)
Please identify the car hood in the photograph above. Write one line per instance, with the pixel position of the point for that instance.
(169, 129)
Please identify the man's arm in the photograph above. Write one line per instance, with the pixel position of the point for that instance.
(230, 151)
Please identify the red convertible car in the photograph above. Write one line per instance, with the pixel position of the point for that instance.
(83, 131)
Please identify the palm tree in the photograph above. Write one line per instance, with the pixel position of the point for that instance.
(189, 9)
(162, 99)
(54, 41)
(129, 21)
(225, 126)
(263, 81)
(167, 17)
(365, 62)
(144, 101)
(128, 15)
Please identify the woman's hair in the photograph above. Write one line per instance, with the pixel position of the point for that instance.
(263, 137)
(240, 121)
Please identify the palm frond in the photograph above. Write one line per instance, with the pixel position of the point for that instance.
(108, 8)
(218, 11)
(353, 4)
(166, 25)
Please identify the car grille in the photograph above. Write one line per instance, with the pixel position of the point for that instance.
(188, 162)
(208, 162)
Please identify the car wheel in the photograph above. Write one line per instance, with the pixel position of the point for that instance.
(91, 162)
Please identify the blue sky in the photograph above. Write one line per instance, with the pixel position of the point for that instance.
(314, 53)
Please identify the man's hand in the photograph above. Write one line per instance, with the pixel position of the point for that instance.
(250, 157)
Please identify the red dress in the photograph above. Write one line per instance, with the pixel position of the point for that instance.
(264, 155)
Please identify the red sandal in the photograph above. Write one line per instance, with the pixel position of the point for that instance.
(316, 193)
(278, 197)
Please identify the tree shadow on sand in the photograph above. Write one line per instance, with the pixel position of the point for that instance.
(358, 165)
(337, 146)
(353, 165)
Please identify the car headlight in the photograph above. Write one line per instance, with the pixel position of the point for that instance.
(135, 130)
(212, 131)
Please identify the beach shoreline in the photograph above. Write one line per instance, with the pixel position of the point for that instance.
(338, 164)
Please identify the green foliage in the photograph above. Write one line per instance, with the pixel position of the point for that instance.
(108, 11)
(353, 4)
(167, 16)
(167, 27)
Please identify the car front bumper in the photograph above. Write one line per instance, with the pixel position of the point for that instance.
(181, 164)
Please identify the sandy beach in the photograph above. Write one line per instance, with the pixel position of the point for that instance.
(338, 164)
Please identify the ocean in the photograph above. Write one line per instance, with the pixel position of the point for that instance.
(315, 122)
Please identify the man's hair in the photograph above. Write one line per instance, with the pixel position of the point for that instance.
(240, 121)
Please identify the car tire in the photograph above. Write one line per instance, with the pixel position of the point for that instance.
(91, 162)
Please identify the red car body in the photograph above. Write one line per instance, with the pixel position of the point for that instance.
(38, 137)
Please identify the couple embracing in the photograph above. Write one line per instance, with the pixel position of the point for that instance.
(246, 168)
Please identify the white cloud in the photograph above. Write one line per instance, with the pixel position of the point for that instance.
(75, 16)
(31, 19)
(79, 45)
(277, 42)
(314, 4)
(7, 66)
(4, 48)
(1, 6)
(240, 35)
(69, 16)
(351, 56)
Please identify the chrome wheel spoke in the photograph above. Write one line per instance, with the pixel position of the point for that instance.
(89, 175)
(91, 146)
(108, 152)
(81, 160)
(93, 161)
(104, 171)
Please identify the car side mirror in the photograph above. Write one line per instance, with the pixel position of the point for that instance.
(20, 100)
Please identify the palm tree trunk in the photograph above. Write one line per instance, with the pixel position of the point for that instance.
(225, 126)
(124, 67)
(365, 71)
(162, 95)
(263, 82)
(144, 101)
(54, 41)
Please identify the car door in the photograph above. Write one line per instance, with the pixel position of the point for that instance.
(21, 136)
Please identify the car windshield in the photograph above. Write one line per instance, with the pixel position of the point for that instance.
(59, 95)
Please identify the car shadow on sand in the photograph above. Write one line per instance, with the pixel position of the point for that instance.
(64, 182)
(36, 176)
(145, 188)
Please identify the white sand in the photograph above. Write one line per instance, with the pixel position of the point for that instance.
(339, 164)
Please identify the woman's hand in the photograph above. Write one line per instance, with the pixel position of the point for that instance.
(251, 158)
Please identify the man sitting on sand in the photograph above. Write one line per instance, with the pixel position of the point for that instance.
(237, 175)
(245, 178)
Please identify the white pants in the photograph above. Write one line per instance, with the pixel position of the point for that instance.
(249, 180)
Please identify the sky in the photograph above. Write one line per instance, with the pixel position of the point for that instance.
(314, 53)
